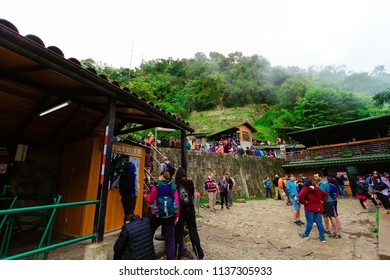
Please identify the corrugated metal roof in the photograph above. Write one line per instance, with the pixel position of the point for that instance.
(362, 129)
(36, 77)
(338, 161)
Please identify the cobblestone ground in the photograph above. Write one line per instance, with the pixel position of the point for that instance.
(263, 230)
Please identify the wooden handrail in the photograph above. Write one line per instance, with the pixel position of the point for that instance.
(349, 143)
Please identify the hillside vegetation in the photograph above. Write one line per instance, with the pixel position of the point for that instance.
(223, 118)
(216, 92)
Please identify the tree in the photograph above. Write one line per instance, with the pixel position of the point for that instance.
(382, 97)
(292, 90)
(324, 106)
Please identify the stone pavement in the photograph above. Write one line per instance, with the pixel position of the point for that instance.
(77, 251)
(212, 233)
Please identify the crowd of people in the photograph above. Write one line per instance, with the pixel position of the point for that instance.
(319, 198)
(226, 145)
(172, 209)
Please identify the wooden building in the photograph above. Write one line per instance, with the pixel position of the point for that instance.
(351, 148)
(51, 103)
(242, 133)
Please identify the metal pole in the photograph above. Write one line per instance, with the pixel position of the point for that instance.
(183, 150)
(100, 213)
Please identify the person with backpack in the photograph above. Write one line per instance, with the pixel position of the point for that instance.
(282, 186)
(166, 209)
(167, 165)
(223, 192)
(381, 189)
(128, 189)
(186, 191)
(330, 212)
(148, 163)
(231, 183)
(362, 192)
(278, 191)
(334, 193)
(135, 241)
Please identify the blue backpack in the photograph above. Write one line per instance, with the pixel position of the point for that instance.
(333, 191)
(166, 204)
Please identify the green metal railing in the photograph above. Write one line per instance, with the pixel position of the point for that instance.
(10, 219)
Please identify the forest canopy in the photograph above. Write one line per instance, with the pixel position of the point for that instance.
(293, 96)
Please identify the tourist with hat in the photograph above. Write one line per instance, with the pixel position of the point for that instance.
(151, 138)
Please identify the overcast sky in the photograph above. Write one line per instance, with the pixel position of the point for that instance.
(121, 33)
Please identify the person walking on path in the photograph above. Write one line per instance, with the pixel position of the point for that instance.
(278, 191)
(313, 198)
(282, 186)
(186, 193)
(381, 188)
(231, 183)
(292, 190)
(211, 188)
(223, 192)
(267, 187)
(362, 192)
(330, 210)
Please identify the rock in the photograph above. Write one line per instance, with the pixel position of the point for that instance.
(278, 244)
(300, 252)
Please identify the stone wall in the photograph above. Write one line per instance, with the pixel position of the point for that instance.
(38, 174)
(246, 170)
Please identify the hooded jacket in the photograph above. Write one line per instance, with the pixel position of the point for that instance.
(312, 198)
(135, 241)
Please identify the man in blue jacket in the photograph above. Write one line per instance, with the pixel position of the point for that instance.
(330, 212)
(292, 190)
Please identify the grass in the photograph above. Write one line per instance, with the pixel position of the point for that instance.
(213, 121)
(222, 118)
(376, 227)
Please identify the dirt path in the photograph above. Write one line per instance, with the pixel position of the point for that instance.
(263, 229)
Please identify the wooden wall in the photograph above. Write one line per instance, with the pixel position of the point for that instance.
(79, 181)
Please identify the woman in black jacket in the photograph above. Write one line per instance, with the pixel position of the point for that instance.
(361, 191)
(135, 241)
(185, 188)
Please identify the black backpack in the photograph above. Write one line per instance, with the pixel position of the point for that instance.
(379, 186)
(171, 168)
(127, 183)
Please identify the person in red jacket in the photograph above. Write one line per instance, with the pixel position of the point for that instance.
(312, 198)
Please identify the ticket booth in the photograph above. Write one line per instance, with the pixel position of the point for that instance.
(79, 180)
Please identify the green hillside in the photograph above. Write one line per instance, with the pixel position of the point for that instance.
(223, 118)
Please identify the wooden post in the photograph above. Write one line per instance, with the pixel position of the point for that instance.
(183, 150)
(100, 213)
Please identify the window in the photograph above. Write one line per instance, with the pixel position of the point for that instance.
(245, 136)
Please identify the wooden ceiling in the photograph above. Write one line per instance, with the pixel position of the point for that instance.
(34, 78)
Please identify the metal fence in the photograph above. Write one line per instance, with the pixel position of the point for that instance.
(10, 220)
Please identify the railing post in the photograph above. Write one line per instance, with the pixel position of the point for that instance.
(100, 213)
